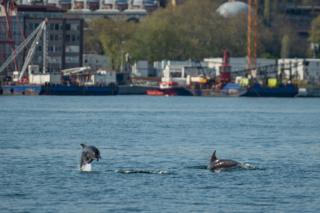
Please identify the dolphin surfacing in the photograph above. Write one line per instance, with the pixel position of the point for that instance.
(217, 164)
(89, 154)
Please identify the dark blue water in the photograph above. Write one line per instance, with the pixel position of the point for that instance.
(154, 153)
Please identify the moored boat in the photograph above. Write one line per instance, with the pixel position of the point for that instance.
(133, 89)
(310, 92)
(282, 90)
(22, 89)
(169, 88)
(59, 89)
(169, 92)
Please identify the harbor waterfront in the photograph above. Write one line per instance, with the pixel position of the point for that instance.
(155, 151)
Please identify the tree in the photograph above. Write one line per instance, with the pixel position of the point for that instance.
(92, 43)
(193, 30)
(266, 12)
(285, 46)
(315, 36)
(114, 36)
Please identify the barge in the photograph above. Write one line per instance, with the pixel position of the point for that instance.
(169, 88)
(23, 89)
(282, 90)
(78, 90)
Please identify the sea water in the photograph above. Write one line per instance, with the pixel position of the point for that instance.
(155, 152)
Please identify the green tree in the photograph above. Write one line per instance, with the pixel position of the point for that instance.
(114, 36)
(192, 30)
(285, 46)
(315, 31)
(92, 43)
(315, 36)
(267, 12)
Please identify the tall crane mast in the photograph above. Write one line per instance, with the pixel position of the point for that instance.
(34, 37)
(252, 34)
(8, 9)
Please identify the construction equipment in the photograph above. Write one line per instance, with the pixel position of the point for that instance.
(34, 37)
(252, 33)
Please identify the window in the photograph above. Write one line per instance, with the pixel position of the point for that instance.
(67, 27)
(56, 26)
(74, 27)
(72, 49)
(72, 59)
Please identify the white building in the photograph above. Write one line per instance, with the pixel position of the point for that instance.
(184, 72)
(160, 66)
(103, 78)
(237, 63)
(142, 69)
(300, 69)
(35, 77)
(95, 61)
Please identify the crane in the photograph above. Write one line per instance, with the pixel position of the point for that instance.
(252, 33)
(35, 35)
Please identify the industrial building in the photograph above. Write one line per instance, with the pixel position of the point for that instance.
(64, 37)
(95, 61)
(307, 70)
(101, 8)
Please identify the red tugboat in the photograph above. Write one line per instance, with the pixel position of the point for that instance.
(169, 88)
(173, 83)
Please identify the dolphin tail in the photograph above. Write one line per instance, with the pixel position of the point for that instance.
(83, 145)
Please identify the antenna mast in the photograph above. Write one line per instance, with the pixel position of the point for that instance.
(252, 33)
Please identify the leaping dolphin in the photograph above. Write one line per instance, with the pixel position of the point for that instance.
(89, 154)
(216, 164)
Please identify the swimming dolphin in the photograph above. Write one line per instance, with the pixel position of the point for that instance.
(89, 154)
(216, 164)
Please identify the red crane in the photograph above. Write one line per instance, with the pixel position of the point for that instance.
(252, 34)
(6, 26)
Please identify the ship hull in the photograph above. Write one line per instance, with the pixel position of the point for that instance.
(133, 90)
(73, 90)
(280, 91)
(21, 89)
(170, 92)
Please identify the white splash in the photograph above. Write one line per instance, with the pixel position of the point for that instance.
(86, 168)
(142, 171)
(247, 166)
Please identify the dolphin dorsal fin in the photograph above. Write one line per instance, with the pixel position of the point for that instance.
(214, 157)
(83, 145)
